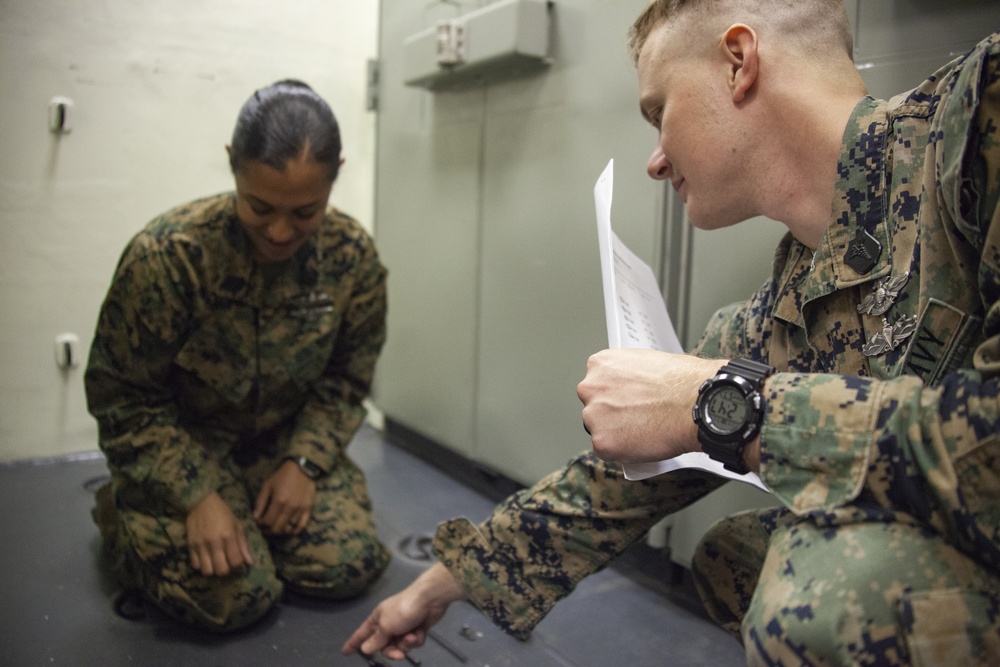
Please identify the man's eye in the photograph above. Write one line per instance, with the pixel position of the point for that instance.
(260, 210)
(306, 215)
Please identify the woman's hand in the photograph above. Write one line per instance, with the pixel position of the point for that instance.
(400, 623)
(216, 539)
(285, 503)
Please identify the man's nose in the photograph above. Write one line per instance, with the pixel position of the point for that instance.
(658, 167)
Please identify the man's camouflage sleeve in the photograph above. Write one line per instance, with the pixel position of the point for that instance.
(539, 543)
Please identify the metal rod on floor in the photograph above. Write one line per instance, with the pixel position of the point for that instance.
(461, 657)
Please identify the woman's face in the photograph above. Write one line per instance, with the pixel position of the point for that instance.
(281, 209)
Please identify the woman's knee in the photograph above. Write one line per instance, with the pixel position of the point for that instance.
(335, 570)
(219, 604)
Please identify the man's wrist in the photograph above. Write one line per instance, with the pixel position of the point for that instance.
(751, 454)
(437, 585)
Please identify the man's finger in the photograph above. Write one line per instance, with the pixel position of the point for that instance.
(354, 642)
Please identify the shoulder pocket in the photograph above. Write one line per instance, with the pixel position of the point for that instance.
(944, 341)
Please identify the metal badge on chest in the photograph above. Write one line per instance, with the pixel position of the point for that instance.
(876, 304)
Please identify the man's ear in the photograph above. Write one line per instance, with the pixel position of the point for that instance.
(739, 47)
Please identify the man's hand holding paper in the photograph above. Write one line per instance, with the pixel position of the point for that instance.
(632, 398)
(638, 396)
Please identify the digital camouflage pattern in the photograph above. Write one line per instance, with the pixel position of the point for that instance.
(886, 546)
(206, 371)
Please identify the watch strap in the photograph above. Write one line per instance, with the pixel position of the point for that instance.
(729, 454)
(753, 371)
(311, 470)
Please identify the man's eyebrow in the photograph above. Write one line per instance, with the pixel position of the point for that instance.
(644, 112)
(642, 109)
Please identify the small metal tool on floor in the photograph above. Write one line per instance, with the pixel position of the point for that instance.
(375, 662)
(461, 657)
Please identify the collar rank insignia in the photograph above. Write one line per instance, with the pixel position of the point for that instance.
(863, 253)
(890, 337)
(883, 295)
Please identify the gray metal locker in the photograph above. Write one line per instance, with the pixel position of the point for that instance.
(484, 215)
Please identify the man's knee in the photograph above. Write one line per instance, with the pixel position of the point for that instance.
(726, 565)
(839, 595)
(826, 632)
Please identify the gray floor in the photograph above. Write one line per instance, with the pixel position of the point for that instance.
(56, 605)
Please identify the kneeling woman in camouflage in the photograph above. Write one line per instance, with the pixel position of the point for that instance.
(231, 357)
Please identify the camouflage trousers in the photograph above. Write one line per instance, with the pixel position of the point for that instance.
(337, 556)
(860, 594)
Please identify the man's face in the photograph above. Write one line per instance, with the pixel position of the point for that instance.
(683, 94)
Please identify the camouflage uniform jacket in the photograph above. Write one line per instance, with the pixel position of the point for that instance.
(908, 432)
(199, 350)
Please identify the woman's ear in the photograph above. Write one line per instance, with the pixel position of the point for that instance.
(739, 46)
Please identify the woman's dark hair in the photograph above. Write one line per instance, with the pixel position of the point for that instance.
(279, 122)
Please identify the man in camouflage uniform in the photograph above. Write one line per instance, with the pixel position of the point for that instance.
(881, 433)
(217, 377)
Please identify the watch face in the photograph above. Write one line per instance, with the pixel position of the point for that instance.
(726, 410)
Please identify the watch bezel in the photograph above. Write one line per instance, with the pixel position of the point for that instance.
(727, 447)
(748, 393)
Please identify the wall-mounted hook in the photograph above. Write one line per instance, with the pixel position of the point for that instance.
(67, 351)
(60, 118)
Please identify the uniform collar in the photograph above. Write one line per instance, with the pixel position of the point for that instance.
(859, 207)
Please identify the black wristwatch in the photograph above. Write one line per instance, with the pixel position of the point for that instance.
(729, 411)
(311, 470)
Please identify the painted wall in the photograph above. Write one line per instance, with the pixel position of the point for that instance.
(156, 87)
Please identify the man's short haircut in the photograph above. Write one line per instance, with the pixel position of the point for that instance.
(812, 24)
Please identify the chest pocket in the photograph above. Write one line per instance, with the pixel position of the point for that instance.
(944, 340)
(221, 354)
(298, 340)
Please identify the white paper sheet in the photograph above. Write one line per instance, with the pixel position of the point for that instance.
(637, 318)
